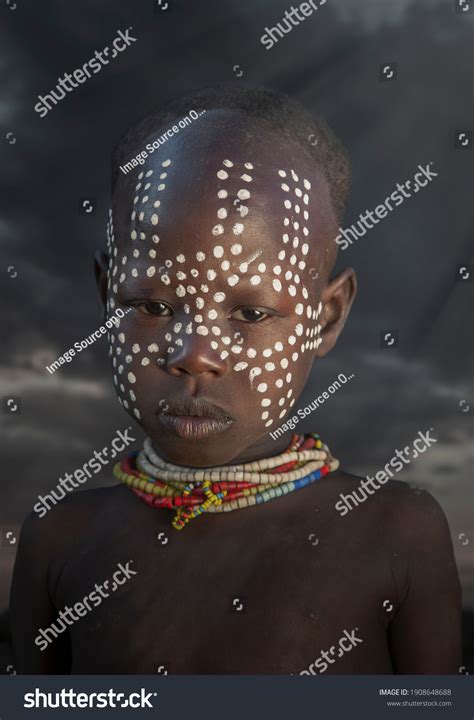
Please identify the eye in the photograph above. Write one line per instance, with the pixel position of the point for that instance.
(159, 309)
(248, 314)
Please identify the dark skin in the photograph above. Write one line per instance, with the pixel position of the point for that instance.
(299, 595)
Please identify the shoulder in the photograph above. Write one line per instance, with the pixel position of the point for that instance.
(70, 516)
(406, 511)
(413, 511)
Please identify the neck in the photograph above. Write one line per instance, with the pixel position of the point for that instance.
(266, 447)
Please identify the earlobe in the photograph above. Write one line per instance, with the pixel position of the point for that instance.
(101, 264)
(337, 299)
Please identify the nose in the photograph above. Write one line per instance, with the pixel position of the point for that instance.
(195, 356)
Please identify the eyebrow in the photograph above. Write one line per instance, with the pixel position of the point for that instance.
(147, 292)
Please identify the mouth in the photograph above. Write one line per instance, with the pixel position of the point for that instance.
(194, 418)
(190, 427)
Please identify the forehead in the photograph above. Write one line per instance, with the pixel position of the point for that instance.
(222, 183)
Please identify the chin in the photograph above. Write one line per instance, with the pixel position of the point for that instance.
(217, 449)
(198, 457)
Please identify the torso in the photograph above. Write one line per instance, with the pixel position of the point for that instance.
(181, 611)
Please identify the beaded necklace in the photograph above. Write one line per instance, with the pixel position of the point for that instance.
(193, 491)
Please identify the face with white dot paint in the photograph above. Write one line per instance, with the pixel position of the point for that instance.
(211, 245)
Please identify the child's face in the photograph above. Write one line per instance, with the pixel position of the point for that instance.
(221, 252)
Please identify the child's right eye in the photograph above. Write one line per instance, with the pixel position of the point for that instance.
(154, 308)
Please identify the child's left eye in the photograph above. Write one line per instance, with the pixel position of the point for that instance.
(154, 308)
(249, 314)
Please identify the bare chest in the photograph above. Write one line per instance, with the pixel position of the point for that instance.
(247, 602)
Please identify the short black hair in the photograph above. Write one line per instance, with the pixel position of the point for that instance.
(276, 111)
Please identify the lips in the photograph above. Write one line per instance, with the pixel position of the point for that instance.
(194, 418)
(190, 427)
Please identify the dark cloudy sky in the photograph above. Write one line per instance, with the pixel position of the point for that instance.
(406, 265)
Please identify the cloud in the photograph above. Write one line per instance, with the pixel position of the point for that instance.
(372, 14)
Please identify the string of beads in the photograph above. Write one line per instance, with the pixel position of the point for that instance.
(193, 491)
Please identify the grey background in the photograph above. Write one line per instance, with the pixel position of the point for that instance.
(406, 266)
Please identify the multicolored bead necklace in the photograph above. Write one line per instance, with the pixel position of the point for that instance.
(193, 491)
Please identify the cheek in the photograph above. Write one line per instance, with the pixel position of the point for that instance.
(134, 360)
(277, 371)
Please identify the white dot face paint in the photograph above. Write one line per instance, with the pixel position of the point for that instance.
(207, 309)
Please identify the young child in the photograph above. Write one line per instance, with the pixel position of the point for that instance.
(221, 246)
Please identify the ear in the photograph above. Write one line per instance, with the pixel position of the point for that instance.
(101, 264)
(336, 299)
